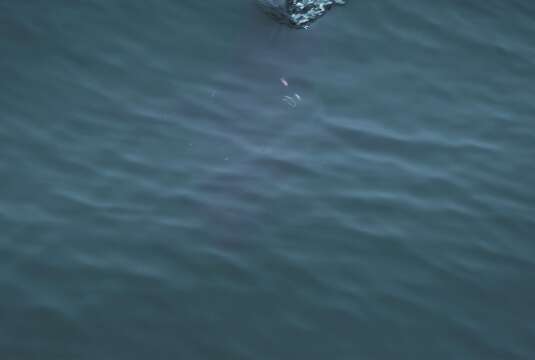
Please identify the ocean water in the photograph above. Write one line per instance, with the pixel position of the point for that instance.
(165, 195)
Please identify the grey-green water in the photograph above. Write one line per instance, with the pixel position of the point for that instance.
(162, 199)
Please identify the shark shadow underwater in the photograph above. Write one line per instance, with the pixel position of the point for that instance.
(248, 101)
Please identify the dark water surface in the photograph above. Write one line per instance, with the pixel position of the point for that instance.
(162, 199)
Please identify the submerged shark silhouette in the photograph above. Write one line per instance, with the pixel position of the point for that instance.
(298, 13)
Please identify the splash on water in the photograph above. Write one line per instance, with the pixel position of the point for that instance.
(299, 13)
